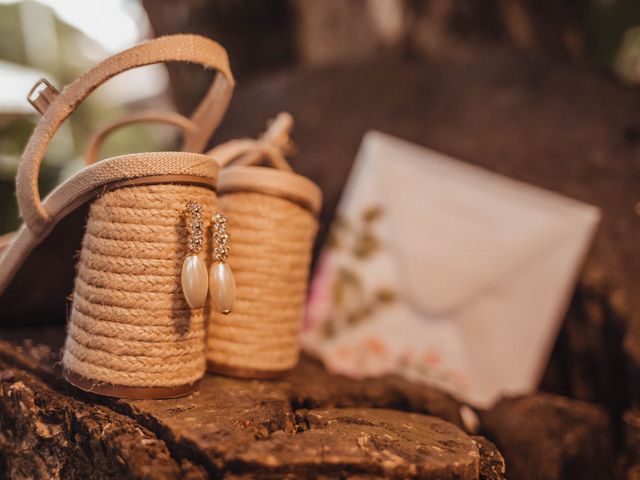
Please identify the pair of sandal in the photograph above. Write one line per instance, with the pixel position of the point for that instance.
(131, 330)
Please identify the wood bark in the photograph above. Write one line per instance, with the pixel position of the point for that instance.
(551, 437)
(309, 424)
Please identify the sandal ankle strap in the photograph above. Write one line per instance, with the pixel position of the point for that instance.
(186, 126)
(271, 145)
(57, 107)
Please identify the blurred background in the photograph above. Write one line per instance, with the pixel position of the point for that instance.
(61, 39)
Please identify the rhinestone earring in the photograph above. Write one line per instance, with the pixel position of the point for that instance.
(223, 285)
(194, 278)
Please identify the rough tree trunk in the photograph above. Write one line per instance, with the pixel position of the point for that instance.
(309, 424)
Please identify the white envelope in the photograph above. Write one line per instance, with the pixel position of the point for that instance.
(445, 273)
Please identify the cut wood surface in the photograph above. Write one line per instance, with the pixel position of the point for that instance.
(308, 424)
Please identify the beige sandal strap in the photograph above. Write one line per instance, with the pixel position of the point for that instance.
(271, 145)
(184, 48)
(185, 124)
(247, 151)
(242, 173)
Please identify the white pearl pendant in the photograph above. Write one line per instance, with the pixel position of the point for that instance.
(195, 281)
(223, 287)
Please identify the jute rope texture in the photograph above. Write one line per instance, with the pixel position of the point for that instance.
(129, 323)
(271, 240)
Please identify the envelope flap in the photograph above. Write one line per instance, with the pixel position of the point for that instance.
(457, 229)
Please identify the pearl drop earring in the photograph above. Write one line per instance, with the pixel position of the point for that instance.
(223, 285)
(194, 270)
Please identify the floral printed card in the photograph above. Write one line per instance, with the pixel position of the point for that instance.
(445, 273)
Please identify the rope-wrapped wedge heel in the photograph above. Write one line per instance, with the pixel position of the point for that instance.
(137, 319)
(131, 332)
(272, 215)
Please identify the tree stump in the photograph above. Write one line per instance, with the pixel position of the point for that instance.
(309, 424)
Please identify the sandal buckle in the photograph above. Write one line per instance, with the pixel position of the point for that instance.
(41, 95)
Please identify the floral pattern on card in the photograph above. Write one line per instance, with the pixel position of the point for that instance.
(348, 291)
(338, 297)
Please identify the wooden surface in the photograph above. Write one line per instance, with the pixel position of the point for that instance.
(308, 424)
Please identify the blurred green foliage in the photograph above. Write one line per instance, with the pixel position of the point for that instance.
(611, 24)
(65, 59)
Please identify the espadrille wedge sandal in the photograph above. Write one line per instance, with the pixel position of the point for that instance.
(131, 331)
(272, 214)
(272, 222)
